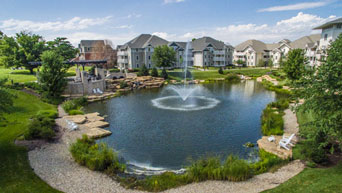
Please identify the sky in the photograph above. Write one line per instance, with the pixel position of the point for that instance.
(231, 21)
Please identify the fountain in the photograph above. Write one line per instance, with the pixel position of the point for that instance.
(189, 97)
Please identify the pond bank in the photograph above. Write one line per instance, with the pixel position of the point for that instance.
(53, 163)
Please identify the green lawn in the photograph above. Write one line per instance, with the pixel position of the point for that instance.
(21, 76)
(313, 180)
(17, 75)
(16, 174)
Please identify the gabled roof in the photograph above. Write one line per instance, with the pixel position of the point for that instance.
(201, 43)
(179, 44)
(329, 24)
(257, 45)
(145, 40)
(303, 41)
(92, 43)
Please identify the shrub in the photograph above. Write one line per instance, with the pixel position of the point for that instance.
(143, 71)
(220, 70)
(154, 72)
(267, 162)
(95, 156)
(76, 112)
(309, 150)
(272, 122)
(205, 169)
(164, 74)
(232, 78)
(114, 70)
(40, 127)
(281, 104)
(52, 114)
(123, 84)
(74, 104)
(33, 85)
(236, 169)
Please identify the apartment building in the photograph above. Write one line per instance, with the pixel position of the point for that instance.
(253, 51)
(210, 52)
(202, 52)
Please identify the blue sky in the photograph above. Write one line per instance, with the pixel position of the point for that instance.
(121, 20)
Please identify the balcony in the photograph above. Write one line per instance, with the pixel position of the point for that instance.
(121, 60)
(219, 59)
(122, 53)
(219, 52)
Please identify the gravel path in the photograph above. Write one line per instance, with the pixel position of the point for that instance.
(54, 164)
(290, 122)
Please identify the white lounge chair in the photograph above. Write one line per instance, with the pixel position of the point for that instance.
(94, 91)
(99, 91)
(286, 142)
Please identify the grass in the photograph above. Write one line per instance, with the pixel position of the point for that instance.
(16, 173)
(210, 74)
(272, 122)
(22, 76)
(313, 180)
(18, 76)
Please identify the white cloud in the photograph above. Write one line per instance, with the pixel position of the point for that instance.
(292, 28)
(132, 15)
(164, 35)
(173, 1)
(297, 6)
(124, 27)
(75, 23)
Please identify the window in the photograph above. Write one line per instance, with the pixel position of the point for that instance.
(149, 57)
(137, 65)
(339, 26)
(149, 49)
(149, 65)
(137, 57)
(325, 36)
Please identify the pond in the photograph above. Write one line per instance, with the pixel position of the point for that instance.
(151, 137)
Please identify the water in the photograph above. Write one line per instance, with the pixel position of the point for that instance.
(153, 139)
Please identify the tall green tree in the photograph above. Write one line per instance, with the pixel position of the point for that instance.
(31, 46)
(9, 52)
(270, 63)
(294, 66)
(52, 75)
(163, 56)
(63, 47)
(322, 91)
(6, 99)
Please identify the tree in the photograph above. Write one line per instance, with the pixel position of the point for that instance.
(164, 74)
(52, 75)
(239, 62)
(63, 48)
(163, 56)
(31, 46)
(322, 91)
(261, 63)
(220, 70)
(143, 71)
(193, 39)
(154, 72)
(270, 63)
(9, 50)
(295, 64)
(6, 99)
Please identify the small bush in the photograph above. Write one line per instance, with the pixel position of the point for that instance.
(232, 78)
(267, 162)
(309, 150)
(114, 70)
(143, 71)
(236, 169)
(220, 70)
(164, 74)
(40, 127)
(52, 114)
(272, 122)
(33, 85)
(154, 72)
(74, 104)
(95, 156)
(76, 112)
(123, 84)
